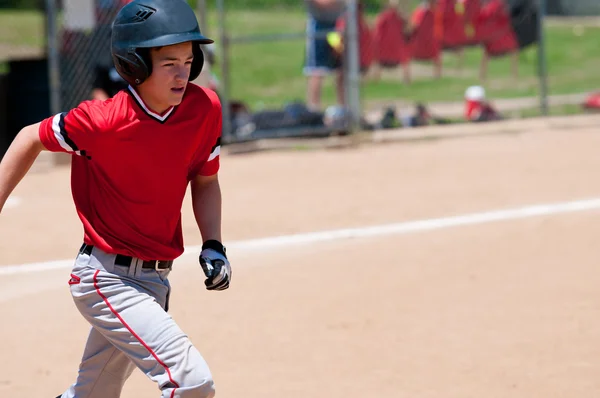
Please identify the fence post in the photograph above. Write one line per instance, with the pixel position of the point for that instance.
(224, 62)
(53, 56)
(201, 10)
(541, 55)
(352, 66)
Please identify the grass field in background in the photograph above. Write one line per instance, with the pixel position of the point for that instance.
(22, 28)
(270, 73)
(21, 35)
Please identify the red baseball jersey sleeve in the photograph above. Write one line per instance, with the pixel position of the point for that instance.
(207, 164)
(70, 132)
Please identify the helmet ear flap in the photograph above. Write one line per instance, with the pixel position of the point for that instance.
(198, 61)
(132, 66)
(143, 64)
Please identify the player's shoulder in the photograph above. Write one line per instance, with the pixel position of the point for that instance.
(196, 94)
(105, 112)
(101, 106)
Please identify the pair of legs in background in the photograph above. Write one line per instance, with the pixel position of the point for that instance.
(126, 306)
(321, 62)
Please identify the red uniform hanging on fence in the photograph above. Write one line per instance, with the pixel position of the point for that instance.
(423, 43)
(470, 10)
(391, 46)
(496, 29)
(449, 25)
(365, 39)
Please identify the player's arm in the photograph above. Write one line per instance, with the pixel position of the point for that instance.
(19, 158)
(206, 202)
(68, 132)
(205, 189)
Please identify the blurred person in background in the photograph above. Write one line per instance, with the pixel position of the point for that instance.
(365, 40)
(497, 36)
(390, 40)
(107, 81)
(424, 45)
(477, 108)
(365, 48)
(320, 57)
(450, 28)
(469, 11)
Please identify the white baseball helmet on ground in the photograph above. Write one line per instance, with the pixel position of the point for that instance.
(475, 93)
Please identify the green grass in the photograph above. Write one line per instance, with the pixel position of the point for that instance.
(21, 28)
(270, 73)
(21, 33)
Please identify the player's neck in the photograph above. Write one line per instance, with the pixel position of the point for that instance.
(153, 104)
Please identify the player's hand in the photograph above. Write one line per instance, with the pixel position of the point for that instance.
(215, 265)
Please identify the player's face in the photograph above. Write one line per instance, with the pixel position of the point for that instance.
(170, 73)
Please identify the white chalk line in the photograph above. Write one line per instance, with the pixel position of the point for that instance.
(362, 232)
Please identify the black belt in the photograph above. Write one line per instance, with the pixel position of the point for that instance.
(126, 260)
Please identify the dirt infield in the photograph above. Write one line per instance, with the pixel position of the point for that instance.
(506, 308)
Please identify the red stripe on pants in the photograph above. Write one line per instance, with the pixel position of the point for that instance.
(110, 307)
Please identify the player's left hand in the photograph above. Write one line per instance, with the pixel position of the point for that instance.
(215, 265)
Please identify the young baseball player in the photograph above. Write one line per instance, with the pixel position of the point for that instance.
(133, 158)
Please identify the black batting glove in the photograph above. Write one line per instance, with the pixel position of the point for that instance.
(215, 265)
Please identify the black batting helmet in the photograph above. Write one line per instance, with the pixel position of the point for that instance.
(144, 24)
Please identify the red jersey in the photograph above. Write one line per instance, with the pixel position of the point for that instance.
(388, 36)
(479, 111)
(424, 45)
(496, 27)
(131, 167)
(449, 25)
(365, 45)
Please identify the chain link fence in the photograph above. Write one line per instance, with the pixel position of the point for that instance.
(574, 7)
(83, 44)
(80, 62)
(410, 63)
(274, 67)
(257, 65)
